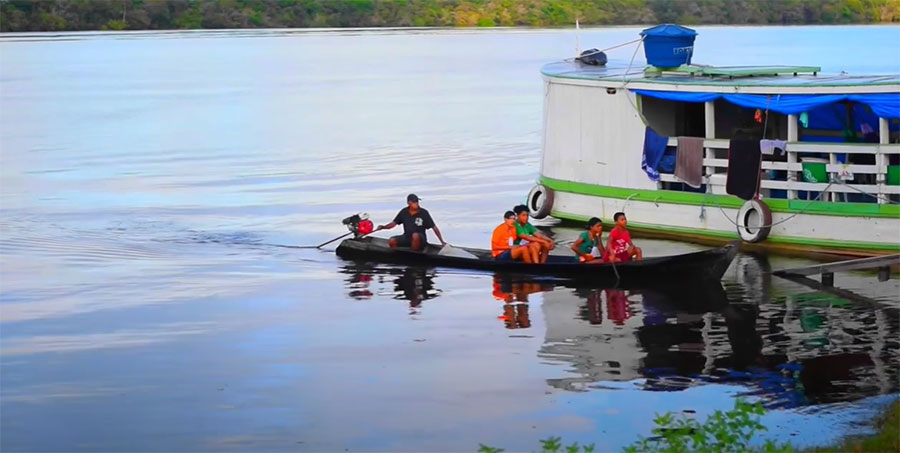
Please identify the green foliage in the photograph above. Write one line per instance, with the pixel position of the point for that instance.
(31, 15)
(732, 431)
(722, 431)
(886, 438)
(548, 445)
(190, 19)
(114, 25)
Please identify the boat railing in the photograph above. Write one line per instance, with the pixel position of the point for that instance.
(788, 176)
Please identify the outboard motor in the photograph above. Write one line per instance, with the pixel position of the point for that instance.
(592, 57)
(359, 224)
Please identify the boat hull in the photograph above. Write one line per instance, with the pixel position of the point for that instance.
(713, 225)
(707, 265)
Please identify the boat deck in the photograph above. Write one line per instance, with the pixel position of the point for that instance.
(710, 76)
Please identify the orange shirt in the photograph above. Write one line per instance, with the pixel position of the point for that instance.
(502, 238)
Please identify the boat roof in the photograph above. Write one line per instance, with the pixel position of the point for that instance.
(759, 77)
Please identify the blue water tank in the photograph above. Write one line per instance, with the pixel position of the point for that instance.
(668, 45)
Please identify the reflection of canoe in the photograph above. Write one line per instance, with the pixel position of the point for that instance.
(704, 265)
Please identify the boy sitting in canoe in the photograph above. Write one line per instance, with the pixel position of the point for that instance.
(589, 240)
(619, 247)
(527, 234)
(502, 247)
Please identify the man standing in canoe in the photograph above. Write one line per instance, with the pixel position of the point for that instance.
(415, 221)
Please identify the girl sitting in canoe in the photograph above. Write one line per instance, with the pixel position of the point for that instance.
(589, 245)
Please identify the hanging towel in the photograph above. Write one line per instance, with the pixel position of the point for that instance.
(744, 163)
(768, 147)
(689, 161)
(654, 147)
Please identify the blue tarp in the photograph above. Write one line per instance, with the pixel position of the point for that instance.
(885, 105)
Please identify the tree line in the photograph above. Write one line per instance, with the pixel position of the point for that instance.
(60, 15)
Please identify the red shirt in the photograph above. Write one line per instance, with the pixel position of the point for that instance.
(619, 240)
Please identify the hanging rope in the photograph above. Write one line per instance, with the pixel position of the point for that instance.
(604, 50)
(887, 200)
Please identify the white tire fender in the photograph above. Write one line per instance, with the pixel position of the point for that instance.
(539, 202)
(754, 221)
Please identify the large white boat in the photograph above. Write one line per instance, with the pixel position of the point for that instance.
(829, 171)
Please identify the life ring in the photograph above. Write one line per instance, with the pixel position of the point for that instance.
(540, 201)
(754, 221)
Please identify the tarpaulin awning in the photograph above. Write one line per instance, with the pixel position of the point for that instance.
(885, 105)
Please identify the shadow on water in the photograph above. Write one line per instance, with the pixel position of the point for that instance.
(789, 348)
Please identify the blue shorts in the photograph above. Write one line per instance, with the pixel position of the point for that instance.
(505, 256)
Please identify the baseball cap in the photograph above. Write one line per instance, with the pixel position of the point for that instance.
(412, 197)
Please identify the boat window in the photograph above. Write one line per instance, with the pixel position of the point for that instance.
(674, 118)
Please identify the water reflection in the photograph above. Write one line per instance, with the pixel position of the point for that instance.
(412, 284)
(513, 292)
(791, 348)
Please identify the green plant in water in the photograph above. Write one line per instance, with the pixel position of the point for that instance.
(548, 445)
(722, 431)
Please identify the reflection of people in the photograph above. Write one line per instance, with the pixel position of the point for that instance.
(514, 295)
(503, 239)
(619, 245)
(415, 221)
(584, 247)
(527, 234)
(595, 307)
(416, 285)
(617, 309)
(515, 315)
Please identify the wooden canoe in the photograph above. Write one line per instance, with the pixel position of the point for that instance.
(706, 265)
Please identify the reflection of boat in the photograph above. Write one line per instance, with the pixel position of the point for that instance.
(703, 265)
(599, 330)
(802, 349)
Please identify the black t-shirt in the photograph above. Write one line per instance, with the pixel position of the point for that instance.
(414, 223)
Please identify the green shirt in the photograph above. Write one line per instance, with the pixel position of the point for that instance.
(587, 244)
(524, 230)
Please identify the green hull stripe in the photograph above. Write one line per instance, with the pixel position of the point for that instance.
(791, 240)
(725, 201)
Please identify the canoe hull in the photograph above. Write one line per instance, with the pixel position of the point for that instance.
(707, 265)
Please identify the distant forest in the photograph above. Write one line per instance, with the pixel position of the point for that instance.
(58, 15)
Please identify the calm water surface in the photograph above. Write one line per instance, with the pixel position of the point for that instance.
(152, 186)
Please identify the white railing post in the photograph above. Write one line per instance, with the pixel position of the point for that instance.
(710, 133)
(881, 176)
(832, 159)
(793, 137)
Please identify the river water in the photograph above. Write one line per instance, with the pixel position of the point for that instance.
(153, 186)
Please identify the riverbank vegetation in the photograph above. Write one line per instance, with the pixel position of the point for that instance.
(733, 431)
(885, 439)
(62, 15)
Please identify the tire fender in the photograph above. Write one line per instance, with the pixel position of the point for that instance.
(754, 221)
(539, 202)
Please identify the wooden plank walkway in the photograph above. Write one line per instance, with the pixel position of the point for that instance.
(882, 263)
(849, 295)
